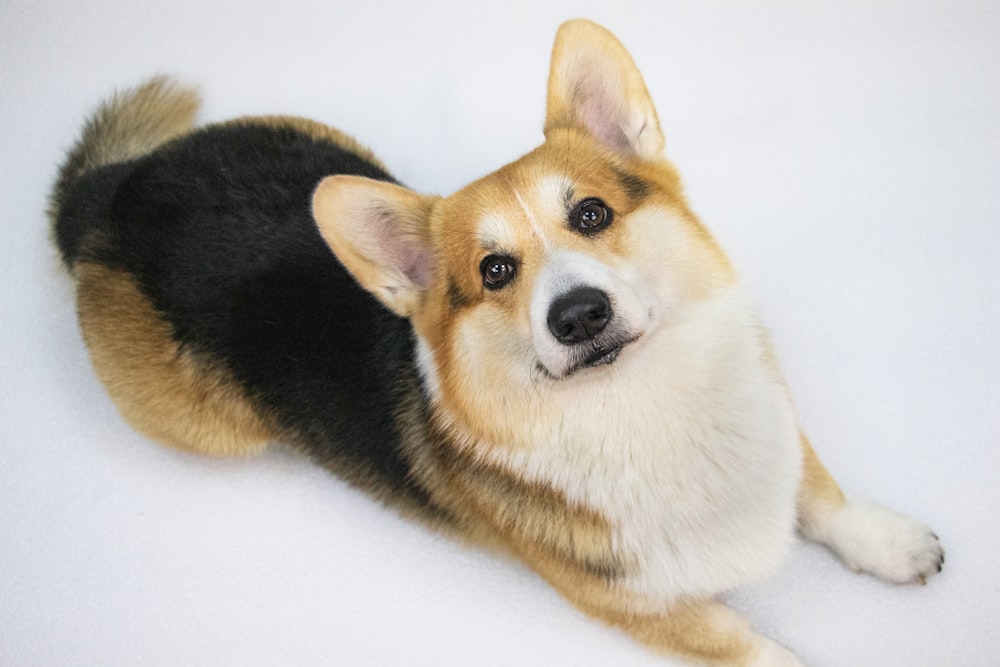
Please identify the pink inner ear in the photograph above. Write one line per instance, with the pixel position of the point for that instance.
(418, 268)
(400, 248)
(598, 110)
(603, 121)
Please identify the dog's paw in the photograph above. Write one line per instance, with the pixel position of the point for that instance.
(871, 538)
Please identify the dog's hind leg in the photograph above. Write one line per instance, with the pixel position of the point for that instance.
(866, 536)
(172, 394)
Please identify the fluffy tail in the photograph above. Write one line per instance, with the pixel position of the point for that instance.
(126, 126)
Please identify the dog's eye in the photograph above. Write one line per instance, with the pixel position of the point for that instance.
(590, 216)
(497, 271)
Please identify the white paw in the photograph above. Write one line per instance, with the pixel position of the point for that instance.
(872, 538)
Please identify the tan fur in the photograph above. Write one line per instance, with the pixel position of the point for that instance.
(137, 122)
(706, 631)
(152, 381)
(490, 506)
(533, 520)
(128, 125)
(703, 630)
(819, 495)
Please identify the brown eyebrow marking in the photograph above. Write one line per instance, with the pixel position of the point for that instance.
(568, 196)
(636, 188)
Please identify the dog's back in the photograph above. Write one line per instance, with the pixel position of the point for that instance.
(214, 312)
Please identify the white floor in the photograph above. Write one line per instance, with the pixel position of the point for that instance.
(846, 153)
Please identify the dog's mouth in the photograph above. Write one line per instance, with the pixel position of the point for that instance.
(602, 354)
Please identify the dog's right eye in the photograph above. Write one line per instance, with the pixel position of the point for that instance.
(590, 216)
(497, 271)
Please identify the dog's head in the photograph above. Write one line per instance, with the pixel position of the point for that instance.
(552, 270)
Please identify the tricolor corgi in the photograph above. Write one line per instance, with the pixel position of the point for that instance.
(557, 360)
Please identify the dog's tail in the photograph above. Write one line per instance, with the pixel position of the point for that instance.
(125, 127)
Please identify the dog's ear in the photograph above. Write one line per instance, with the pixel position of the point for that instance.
(379, 232)
(594, 85)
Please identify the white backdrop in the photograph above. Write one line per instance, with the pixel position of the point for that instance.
(847, 154)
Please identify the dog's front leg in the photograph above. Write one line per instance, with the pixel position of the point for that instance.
(706, 632)
(866, 536)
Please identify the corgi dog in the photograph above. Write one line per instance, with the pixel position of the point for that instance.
(557, 360)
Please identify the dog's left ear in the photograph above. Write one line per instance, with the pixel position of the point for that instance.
(595, 85)
(379, 232)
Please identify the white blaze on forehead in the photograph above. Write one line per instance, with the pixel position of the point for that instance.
(536, 229)
(544, 203)
(552, 194)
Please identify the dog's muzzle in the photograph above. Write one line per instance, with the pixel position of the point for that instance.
(579, 315)
(583, 320)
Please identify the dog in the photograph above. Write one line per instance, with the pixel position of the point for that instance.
(556, 361)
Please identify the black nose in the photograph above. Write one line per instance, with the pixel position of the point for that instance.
(579, 315)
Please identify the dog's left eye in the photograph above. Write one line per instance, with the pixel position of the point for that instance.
(497, 271)
(590, 216)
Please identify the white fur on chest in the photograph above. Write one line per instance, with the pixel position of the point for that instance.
(688, 446)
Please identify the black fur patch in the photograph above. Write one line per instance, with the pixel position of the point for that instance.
(456, 298)
(218, 232)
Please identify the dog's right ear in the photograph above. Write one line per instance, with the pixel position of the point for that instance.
(594, 85)
(379, 232)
